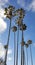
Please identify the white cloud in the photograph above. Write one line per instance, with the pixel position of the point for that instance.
(2, 51)
(3, 25)
(2, 13)
(3, 2)
(30, 6)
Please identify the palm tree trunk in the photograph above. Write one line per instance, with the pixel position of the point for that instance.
(24, 58)
(22, 50)
(31, 56)
(14, 47)
(7, 42)
(21, 54)
(27, 55)
(17, 46)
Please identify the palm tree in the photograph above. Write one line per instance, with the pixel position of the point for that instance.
(30, 42)
(21, 13)
(14, 29)
(22, 28)
(18, 22)
(9, 14)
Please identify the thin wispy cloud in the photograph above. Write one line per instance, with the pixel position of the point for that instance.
(32, 6)
(28, 6)
(3, 2)
(21, 2)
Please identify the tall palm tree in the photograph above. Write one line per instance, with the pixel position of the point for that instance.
(18, 26)
(30, 42)
(8, 13)
(22, 28)
(14, 29)
(18, 21)
(8, 42)
(21, 13)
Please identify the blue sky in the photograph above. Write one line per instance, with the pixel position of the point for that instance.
(29, 20)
